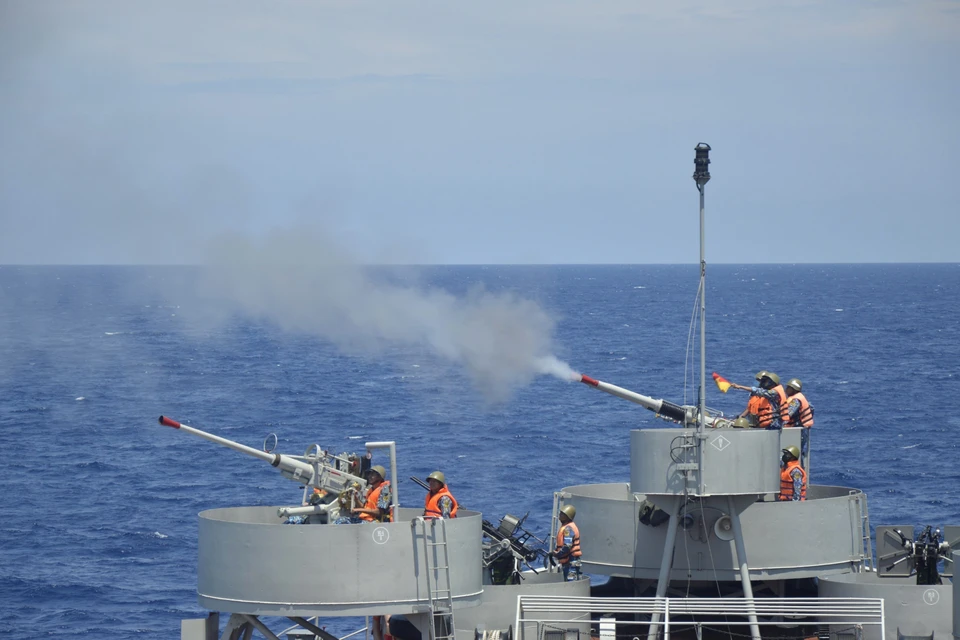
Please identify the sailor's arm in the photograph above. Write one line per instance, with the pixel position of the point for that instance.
(567, 544)
(769, 394)
(797, 477)
(792, 408)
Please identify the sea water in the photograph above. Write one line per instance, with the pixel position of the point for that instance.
(98, 503)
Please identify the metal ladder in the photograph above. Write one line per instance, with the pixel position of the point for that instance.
(437, 560)
(865, 523)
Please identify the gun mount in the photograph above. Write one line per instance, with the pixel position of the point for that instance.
(688, 416)
(898, 555)
(331, 482)
(507, 546)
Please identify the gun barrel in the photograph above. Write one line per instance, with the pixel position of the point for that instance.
(295, 469)
(660, 407)
(309, 510)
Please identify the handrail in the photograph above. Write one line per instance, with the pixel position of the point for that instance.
(863, 611)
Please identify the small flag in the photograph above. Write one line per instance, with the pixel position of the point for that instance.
(722, 383)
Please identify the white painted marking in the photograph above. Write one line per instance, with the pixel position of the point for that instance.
(720, 443)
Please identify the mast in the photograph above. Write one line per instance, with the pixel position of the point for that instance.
(701, 175)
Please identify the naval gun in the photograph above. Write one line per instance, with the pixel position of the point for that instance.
(920, 555)
(688, 416)
(332, 483)
(507, 546)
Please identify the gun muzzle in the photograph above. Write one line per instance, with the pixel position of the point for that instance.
(296, 470)
(168, 422)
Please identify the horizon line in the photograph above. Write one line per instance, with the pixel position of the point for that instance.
(501, 264)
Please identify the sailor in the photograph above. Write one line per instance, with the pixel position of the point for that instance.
(799, 414)
(567, 546)
(793, 479)
(440, 503)
(753, 404)
(377, 501)
(377, 506)
(771, 400)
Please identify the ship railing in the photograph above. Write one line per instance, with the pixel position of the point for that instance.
(365, 629)
(537, 616)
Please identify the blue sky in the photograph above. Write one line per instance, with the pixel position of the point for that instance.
(493, 132)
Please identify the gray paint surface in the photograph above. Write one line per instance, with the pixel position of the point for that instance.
(735, 461)
(914, 609)
(249, 562)
(956, 599)
(783, 540)
(499, 609)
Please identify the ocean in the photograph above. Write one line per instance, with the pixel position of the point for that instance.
(99, 503)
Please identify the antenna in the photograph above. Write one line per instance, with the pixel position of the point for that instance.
(701, 175)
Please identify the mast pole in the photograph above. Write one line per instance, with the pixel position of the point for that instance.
(701, 175)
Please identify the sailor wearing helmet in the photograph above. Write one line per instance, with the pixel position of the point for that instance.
(567, 546)
(377, 501)
(768, 400)
(793, 479)
(440, 503)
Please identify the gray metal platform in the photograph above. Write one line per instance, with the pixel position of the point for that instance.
(820, 536)
(250, 562)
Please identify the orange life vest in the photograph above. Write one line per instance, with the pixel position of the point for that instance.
(574, 548)
(786, 482)
(765, 410)
(372, 498)
(753, 407)
(431, 508)
(803, 417)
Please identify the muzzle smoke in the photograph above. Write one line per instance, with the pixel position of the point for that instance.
(304, 283)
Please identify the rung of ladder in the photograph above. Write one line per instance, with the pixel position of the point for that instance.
(439, 588)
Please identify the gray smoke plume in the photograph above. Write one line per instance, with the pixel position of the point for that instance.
(301, 281)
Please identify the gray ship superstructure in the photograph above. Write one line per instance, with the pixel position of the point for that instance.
(696, 538)
(698, 522)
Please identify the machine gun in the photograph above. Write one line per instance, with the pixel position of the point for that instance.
(687, 416)
(920, 556)
(331, 482)
(507, 546)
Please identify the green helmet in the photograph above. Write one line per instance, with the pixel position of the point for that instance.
(438, 476)
(379, 471)
(795, 384)
(741, 423)
(793, 451)
(760, 375)
(569, 510)
(772, 376)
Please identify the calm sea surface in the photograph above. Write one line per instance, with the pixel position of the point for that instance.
(98, 503)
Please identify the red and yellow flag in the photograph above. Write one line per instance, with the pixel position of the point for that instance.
(722, 383)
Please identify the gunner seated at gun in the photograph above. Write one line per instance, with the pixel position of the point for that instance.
(376, 506)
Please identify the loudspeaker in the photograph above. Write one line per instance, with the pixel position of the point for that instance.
(723, 528)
